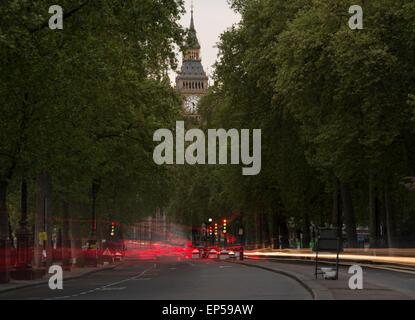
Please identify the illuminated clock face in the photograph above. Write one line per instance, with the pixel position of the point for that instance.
(191, 104)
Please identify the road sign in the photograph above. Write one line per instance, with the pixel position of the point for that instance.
(43, 236)
(107, 252)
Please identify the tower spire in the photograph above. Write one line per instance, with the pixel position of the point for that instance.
(192, 25)
(191, 40)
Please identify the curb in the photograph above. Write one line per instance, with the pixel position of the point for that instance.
(45, 281)
(317, 291)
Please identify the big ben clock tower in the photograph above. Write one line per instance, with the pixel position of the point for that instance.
(192, 81)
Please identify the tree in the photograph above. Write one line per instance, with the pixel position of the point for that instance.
(81, 103)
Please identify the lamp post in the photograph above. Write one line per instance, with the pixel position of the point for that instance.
(92, 256)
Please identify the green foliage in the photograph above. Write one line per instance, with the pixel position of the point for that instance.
(331, 103)
(82, 103)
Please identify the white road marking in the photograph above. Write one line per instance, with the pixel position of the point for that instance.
(107, 287)
(113, 288)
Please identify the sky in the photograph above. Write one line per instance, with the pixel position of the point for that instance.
(211, 18)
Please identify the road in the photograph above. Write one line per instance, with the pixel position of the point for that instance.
(169, 279)
(379, 282)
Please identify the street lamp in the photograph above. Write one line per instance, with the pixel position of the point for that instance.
(210, 220)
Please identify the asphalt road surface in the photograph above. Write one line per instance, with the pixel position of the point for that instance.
(172, 280)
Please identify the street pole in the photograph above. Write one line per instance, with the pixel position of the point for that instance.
(95, 188)
(42, 246)
(93, 235)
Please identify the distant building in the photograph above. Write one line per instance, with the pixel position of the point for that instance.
(192, 81)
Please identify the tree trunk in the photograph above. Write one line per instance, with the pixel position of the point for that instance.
(306, 229)
(337, 221)
(57, 251)
(349, 217)
(390, 217)
(374, 215)
(336, 211)
(258, 223)
(265, 225)
(240, 226)
(76, 243)
(411, 166)
(24, 240)
(4, 235)
(276, 229)
(253, 232)
(284, 233)
(66, 239)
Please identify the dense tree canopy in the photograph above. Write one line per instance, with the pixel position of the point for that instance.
(336, 115)
(81, 104)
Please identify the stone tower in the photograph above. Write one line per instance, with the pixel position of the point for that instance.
(192, 81)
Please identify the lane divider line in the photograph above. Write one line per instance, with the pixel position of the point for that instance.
(110, 284)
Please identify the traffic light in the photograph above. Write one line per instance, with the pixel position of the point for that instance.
(112, 232)
(224, 225)
(210, 231)
(216, 228)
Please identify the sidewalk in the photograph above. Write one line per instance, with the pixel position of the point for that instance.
(327, 289)
(67, 275)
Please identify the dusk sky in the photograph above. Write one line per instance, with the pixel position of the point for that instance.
(212, 17)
